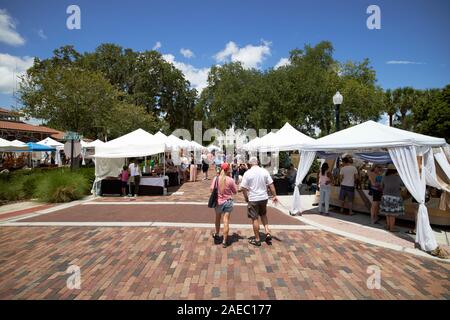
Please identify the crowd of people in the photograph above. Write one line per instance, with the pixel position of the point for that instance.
(385, 187)
(254, 181)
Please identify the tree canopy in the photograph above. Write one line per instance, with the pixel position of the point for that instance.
(300, 93)
(113, 90)
(90, 92)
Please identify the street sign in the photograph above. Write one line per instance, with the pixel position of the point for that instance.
(70, 135)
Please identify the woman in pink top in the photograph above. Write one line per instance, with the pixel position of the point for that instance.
(124, 175)
(325, 189)
(226, 188)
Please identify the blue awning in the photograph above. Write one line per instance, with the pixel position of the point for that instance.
(374, 157)
(35, 147)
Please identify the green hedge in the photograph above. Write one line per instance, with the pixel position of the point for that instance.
(47, 185)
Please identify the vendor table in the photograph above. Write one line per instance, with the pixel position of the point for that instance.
(154, 181)
(147, 186)
(111, 187)
(281, 185)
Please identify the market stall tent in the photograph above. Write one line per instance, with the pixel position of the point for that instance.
(172, 143)
(160, 135)
(36, 147)
(12, 146)
(175, 143)
(110, 156)
(403, 147)
(18, 143)
(55, 144)
(251, 145)
(88, 149)
(194, 145)
(138, 143)
(51, 143)
(94, 144)
(212, 147)
(256, 143)
(286, 139)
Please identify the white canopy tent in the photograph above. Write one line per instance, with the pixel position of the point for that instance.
(194, 145)
(286, 139)
(212, 148)
(255, 144)
(11, 146)
(160, 135)
(175, 143)
(18, 143)
(94, 144)
(172, 143)
(251, 145)
(403, 148)
(88, 148)
(110, 156)
(138, 143)
(54, 144)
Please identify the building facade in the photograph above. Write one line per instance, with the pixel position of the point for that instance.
(12, 128)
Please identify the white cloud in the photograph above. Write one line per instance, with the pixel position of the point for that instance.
(403, 62)
(282, 63)
(250, 56)
(157, 45)
(41, 34)
(10, 68)
(197, 77)
(187, 53)
(8, 33)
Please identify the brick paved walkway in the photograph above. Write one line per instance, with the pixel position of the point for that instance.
(175, 263)
(183, 263)
(190, 191)
(181, 213)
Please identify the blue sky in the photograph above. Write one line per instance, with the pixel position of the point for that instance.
(259, 33)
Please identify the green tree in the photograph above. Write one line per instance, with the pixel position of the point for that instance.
(389, 106)
(77, 100)
(230, 96)
(143, 79)
(405, 100)
(431, 114)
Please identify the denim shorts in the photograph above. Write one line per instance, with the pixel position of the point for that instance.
(227, 206)
(347, 192)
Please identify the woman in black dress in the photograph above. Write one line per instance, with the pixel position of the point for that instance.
(205, 166)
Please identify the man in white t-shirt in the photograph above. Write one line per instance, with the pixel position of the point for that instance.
(135, 177)
(254, 186)
(348, 174)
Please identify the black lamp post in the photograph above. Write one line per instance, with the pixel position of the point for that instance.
(337, 100)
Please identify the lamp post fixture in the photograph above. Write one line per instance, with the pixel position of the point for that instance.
(337, 100)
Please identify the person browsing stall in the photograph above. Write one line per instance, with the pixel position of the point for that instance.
(135, 177)
(348, 175)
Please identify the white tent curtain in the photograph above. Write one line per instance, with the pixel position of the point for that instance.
(306, 160)
(430, 170)
(443, 163)
(405, 160)
(446, 150)
(105, 167)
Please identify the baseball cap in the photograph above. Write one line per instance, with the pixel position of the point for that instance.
(253, 160)
(225, 166)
